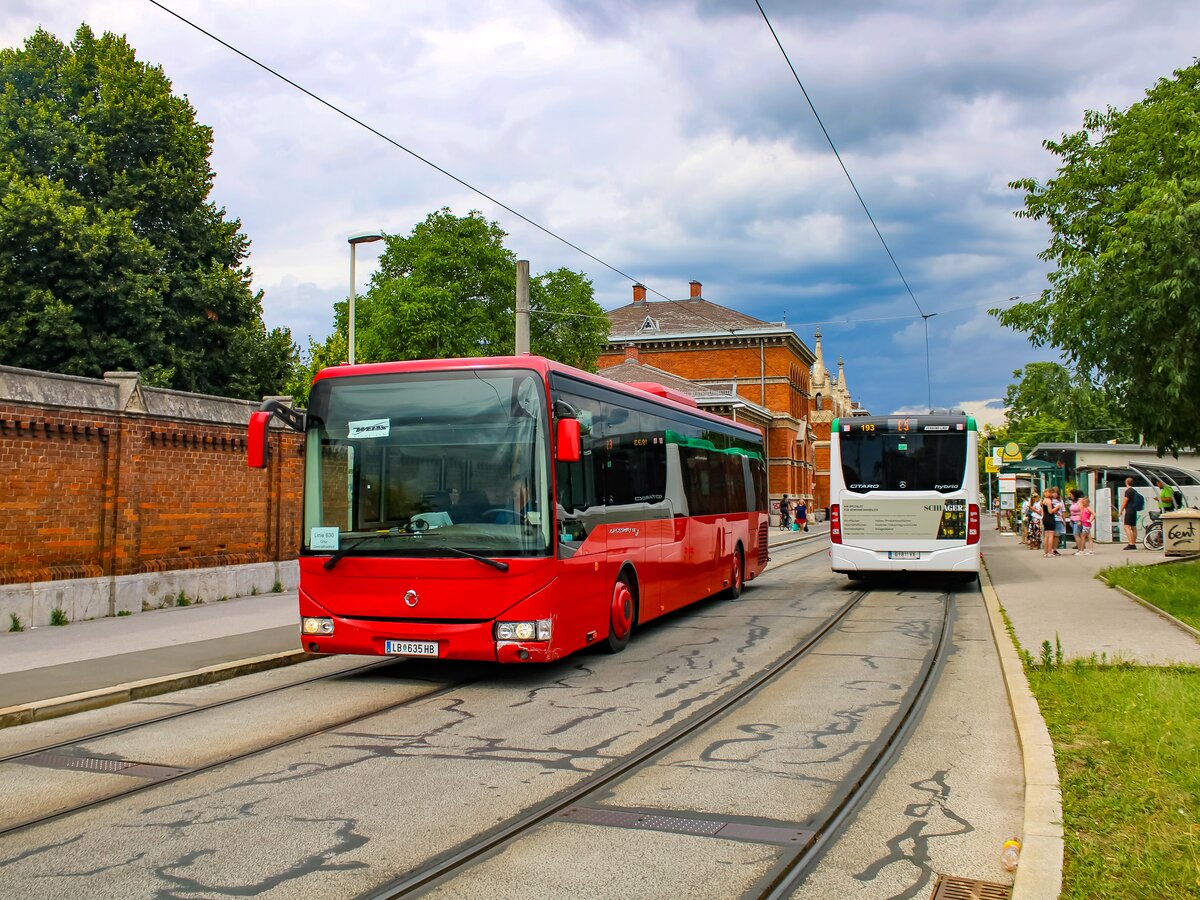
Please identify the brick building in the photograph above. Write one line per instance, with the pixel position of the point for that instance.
(831, 400)
(729, 354)
(114, 495)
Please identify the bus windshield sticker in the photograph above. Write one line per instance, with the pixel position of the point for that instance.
(368, 428)
(321, 537)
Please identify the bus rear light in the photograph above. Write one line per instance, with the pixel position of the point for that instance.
(316, 625)
(835, 523)
(973, 524)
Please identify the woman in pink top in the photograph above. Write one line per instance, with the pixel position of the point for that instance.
(1076, 528)
(1085, 522)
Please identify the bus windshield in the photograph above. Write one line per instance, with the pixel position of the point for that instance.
(883, 460)
(428, 464)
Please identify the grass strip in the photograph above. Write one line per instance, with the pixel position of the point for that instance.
(1175, 588)
(1127, 744)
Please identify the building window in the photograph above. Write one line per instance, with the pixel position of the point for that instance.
(820, 402)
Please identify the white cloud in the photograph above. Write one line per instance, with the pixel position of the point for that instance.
(670, 140)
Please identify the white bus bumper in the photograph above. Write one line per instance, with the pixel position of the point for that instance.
(852, 560)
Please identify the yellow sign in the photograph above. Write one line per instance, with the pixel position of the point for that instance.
(1012, 452)
(989, 465)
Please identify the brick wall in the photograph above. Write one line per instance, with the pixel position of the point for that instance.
(108, 478)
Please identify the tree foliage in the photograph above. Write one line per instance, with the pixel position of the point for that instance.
(1124, 301)
(448, 290)
(111, 254)
(1050, 403)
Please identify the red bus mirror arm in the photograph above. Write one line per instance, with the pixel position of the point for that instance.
(258, 450)
(568, 448)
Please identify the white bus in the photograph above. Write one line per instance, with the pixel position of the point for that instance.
(904, 494)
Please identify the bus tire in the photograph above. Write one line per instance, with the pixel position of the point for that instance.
(737, 575)
(622, 612)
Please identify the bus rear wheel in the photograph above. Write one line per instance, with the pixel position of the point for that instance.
(621, 615)
(737, 576)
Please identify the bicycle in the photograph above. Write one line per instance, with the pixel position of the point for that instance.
(1153, 538)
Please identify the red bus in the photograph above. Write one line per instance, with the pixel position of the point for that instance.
(512, 509)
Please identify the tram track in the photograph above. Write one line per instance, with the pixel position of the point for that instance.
(796, 861)
(192, 710)
(177, 775)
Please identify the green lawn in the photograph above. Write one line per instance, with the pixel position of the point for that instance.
(1127, 743)
(1173, 588)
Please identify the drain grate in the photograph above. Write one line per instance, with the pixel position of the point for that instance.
(101, 764)
(681, 824)
(950, 887)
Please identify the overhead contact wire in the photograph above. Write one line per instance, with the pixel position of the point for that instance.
(399, 146)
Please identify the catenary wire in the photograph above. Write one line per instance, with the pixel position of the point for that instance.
(924, 315)
(341, 112)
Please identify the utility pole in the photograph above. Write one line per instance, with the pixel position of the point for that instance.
(522, 342)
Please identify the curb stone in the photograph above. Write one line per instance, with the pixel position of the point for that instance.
(1039, 875)
(41, 710)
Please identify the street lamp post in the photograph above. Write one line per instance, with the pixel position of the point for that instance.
(354, 240)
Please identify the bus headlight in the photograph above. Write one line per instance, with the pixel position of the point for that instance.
(523, 631)
(315, 625)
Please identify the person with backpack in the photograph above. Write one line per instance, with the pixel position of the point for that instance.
(1132, 503)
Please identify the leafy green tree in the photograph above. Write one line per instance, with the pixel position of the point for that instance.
(1124, 301)
(448, 290)
(111, 254)
(1048, 402)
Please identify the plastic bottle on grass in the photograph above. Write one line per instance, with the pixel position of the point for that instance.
(1010, 854)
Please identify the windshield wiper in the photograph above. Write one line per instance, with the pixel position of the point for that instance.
(486, 560)
(344, 551)
(340, 554)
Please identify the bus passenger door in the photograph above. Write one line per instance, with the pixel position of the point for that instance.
(622, 488)
(584, 586)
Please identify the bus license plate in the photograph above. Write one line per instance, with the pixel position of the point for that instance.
(410, 648)
(904, 554)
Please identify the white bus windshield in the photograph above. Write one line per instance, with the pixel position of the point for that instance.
(880, 456)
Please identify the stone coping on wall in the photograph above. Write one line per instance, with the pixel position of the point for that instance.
(120, 392)
(94, 598)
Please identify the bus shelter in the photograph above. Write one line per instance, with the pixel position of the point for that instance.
(1043, 474)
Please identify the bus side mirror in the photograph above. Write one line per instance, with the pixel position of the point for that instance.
(568, 447)
(256, 440)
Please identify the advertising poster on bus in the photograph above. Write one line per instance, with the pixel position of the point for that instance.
(915, 519)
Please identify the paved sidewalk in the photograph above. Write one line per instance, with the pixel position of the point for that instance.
(52, 662)
(1061, 598)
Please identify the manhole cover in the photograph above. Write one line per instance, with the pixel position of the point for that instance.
(101, 764)
(950, 887)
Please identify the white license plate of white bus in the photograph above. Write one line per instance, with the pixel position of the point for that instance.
(904, 554)
(410, 648)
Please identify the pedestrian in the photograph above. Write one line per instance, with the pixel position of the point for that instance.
(1060, 522)
(1085, 521)
(1049, 513)
(1034, 518)
(785, 513)
(1131, 502)
(1076, 524)
(1166, 496)
(802, 514)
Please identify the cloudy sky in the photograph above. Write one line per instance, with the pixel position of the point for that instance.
(669, 139)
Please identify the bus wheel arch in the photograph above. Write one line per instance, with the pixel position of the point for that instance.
(622, 609)
(737, 573)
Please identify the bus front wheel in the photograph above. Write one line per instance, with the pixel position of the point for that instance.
(621, 615)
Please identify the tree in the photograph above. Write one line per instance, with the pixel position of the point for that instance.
(448, 290)
(1048, 402)
(111, 254)
(1124, 301)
